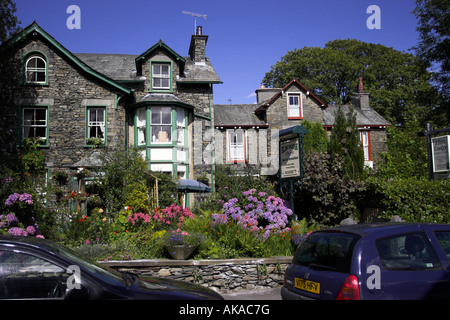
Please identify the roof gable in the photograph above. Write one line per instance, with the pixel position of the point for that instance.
(34, 29)
(160, 45)
(294, 82)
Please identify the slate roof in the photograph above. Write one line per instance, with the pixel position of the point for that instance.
(93, 160)
(364, 117)
(199, 72)
(119, 67)
(160, 97)
(122, 67)
(237, 115)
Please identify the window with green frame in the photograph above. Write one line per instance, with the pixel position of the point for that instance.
(161, 76)
(95, 125)
(160, 125)
(34, 123)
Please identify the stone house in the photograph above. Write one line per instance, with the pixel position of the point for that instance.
(248, 133)
(158, 101)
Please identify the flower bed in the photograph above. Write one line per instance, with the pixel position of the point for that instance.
(252, 225)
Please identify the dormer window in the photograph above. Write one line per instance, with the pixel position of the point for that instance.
(36, 70)
(160, 76)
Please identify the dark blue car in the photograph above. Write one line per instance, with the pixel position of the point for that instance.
(33, 268)
(407, 261)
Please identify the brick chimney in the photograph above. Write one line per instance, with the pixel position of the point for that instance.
(197, 48)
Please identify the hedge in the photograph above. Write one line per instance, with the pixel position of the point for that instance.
(414, 199)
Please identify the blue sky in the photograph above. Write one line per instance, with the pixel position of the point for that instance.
(246, 37)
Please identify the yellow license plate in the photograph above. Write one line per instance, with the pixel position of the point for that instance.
(307, 285)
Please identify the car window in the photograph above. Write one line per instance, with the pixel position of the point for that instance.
(24, 276)
(410, 251)
(444, 240)
(327, 251)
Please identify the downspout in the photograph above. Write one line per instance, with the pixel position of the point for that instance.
(212, 139)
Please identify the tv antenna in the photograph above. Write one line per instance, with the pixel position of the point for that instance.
(195, 15)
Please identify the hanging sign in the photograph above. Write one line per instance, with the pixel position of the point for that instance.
(290, 158)
(441, 153)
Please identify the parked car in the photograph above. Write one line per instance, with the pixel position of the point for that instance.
(405, 261)
(33, 268)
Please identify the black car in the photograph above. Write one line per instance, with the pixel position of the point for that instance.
(33, 268)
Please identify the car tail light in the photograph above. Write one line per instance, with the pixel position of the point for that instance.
(350, 289)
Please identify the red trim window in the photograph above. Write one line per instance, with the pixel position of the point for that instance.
(236, 146)
(295, 106)
(365, 141)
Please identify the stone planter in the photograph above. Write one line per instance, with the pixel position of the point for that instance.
(180, 252)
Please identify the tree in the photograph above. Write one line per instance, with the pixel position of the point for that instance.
(345, 142)
(406, 155)
(316, 140)
(398, 82)
(9, 24)
(434, 46)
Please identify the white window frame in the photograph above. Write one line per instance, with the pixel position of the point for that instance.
(181, 126)
(236, 149)
(159, 137)
(141, 124)
(365, 142)
(295, 111)
(98, 125)
(31, 125)
(159, 76)
(31, 73)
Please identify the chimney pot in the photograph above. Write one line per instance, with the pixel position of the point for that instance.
(360, 85)
(199, 31)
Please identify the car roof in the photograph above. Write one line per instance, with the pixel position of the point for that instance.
(30, 242)
(363, 229)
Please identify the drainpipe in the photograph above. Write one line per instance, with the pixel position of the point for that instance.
(212, 139)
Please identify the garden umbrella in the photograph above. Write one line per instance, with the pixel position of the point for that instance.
(188, 185)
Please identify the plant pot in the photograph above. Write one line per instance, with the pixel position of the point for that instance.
(180, 252)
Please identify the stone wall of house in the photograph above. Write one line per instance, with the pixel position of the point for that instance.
(225, 276)
(277, 112)
(68, 92)
(378, 143)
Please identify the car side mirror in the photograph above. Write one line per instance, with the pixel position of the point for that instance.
(77, 294)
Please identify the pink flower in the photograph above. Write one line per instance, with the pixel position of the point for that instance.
(87, 242)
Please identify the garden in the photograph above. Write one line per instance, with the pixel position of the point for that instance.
(112, 218)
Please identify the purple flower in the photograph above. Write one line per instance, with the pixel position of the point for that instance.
(7, 180)
(31, 230)
(27, 198)
(16, 231)
(12, 198)
(11, 219)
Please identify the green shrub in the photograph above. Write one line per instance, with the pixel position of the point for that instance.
(316, 139)
(413, 199)
(327, 196)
